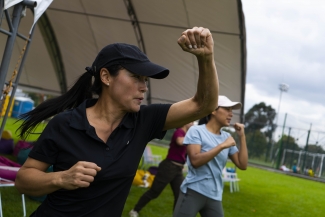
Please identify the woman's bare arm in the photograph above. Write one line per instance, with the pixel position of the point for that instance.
(33, 180)
(198, 158)
(240, 159)
(206, 97)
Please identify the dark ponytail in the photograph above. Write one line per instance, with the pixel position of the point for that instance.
(204, 120)
(83, 89)
(71, 99)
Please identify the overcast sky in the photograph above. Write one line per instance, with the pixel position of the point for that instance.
(286, 44)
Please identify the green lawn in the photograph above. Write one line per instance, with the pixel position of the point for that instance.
(262, 194)
(12, 125)
(11, 199)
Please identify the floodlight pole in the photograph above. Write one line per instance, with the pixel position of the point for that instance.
(281, 143)
(306, 149)
(283, 88)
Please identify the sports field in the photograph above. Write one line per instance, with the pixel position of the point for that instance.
(262, 193)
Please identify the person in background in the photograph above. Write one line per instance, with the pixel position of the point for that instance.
(208, 149)
(170, 171)
(285, 168)
(295, 168)
(99, 131)
(310, 172)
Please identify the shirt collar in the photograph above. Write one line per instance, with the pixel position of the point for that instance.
(79, 119)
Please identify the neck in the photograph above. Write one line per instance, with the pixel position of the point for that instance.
(107, 112)
(213, 127)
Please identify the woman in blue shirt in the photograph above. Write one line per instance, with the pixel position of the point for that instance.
(208, 148)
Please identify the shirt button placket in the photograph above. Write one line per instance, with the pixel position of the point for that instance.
(107, 148)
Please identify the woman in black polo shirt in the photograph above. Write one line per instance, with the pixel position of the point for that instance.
(95, 143)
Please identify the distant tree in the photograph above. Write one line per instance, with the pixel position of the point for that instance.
(315, 149)
(288, 143)
(256, 143)
(260, 116)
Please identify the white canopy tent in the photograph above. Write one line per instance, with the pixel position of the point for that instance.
(69, 35)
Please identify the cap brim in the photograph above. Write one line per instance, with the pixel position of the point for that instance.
(149, 69)
(233, 105)
(238, 105)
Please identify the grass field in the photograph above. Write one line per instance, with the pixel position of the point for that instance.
(12, 126)
(262, 194)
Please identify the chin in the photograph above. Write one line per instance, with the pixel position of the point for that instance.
(135, 108)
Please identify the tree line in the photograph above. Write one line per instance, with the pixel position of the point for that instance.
(259, 128)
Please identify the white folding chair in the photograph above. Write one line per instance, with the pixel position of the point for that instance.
(233, 180)
(9, 183)
(149, 158)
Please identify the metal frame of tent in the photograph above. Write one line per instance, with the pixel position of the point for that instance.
(57, 61)
(13, 23)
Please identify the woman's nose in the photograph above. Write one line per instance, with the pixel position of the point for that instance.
(143, 86)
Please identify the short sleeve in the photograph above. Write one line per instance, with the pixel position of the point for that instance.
(192, 136)
(45, 148)
(178, 133)
(232, 150)
(154, 116)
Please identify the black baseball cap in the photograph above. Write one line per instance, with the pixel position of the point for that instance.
(131, 58)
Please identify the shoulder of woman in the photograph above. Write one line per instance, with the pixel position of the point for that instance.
(154, 106)
(61, 117)
(195, 129)
(226, 134)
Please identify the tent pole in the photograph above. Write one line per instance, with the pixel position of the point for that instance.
(9, 46)
(1, 9)
(13, 92)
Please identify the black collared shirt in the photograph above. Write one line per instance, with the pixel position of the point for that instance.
(69, 138)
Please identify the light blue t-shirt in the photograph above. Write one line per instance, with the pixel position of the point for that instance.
(207, 179)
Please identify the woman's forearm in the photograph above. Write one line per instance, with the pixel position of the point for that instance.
(202, 158)
(34, 182)
(208, 83)
(243, 154)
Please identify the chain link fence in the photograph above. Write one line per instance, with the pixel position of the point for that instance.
(286, 145)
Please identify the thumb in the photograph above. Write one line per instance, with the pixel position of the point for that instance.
(183, 38)
(181, 41)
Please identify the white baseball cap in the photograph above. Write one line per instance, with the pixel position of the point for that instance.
(223, 101)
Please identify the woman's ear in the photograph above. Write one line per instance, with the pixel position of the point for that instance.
(104, 75)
